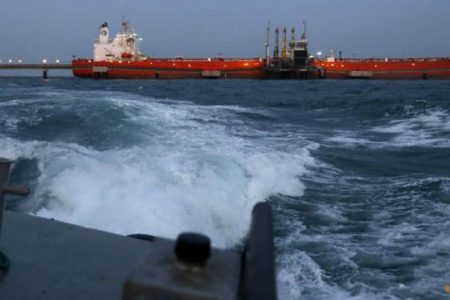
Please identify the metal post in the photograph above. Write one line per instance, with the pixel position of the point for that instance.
(259, 266)
(4, 175)
(5, 166)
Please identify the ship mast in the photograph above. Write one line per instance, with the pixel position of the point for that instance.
(126, 26)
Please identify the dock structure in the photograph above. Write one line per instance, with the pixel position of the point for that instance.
(45, 67)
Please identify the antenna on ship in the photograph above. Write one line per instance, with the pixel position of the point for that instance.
(267, 40)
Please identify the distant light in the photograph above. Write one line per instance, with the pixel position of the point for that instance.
(141, 39)
(319, 53)
(57, 61)
(10, 61)
(44, 61)
(19, 61)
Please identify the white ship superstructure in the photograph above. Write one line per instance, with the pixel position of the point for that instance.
(125, 46)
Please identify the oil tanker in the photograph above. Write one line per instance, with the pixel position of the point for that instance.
(120, 58)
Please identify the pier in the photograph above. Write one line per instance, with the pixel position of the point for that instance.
(45, 67)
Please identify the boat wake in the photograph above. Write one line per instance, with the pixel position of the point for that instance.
(188, 172)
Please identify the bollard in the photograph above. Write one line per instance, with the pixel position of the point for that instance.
(195, 271)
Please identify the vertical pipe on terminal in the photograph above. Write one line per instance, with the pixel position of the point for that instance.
(45, 74)
(275, 47)
(292, 43)
(304, 30)
(284, 44)
(267, 41)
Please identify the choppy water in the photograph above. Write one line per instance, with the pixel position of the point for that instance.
(358, 172)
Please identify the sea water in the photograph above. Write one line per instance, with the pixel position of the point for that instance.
(358, 172)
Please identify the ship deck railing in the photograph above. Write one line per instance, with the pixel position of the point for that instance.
(388, 59)
(178, 59)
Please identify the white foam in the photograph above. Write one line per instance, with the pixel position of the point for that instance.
(349, 139)
(397, 234)
(427, 129)
(188, 176)
(300, 277)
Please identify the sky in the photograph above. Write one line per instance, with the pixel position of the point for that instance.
(57, 29)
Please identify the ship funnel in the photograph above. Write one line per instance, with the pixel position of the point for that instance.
(103, 36)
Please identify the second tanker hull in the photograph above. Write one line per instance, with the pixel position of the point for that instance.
(171, 69)
(435, 68)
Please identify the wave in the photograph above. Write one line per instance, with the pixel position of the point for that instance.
(428, 129)
(184, 175)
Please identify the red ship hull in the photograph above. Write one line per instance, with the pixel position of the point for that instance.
(424, 68)
(170, 69)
